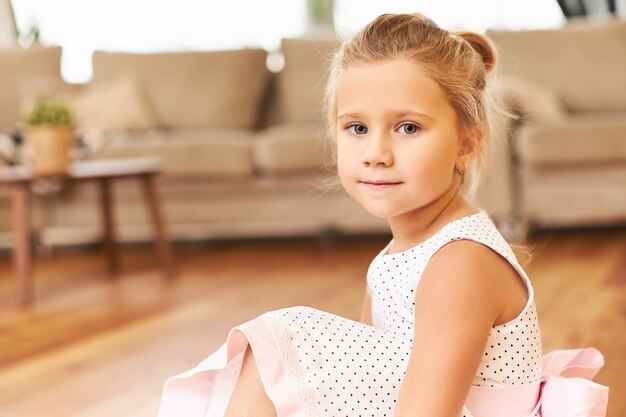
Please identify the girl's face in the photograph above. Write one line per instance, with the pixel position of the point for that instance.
(398, 139)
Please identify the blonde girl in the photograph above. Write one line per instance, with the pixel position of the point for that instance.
(448, 325)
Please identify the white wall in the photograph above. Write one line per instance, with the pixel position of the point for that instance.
(82, 26)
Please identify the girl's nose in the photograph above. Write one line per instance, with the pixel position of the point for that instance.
(378, 152)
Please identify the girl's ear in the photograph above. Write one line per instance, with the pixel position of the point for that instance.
(470, 144)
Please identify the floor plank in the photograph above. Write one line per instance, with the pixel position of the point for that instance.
(96, 346)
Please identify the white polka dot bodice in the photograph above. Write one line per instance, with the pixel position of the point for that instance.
(513, 352)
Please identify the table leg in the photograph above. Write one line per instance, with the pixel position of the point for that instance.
(108, 226)
(162, 240)
(22, 258)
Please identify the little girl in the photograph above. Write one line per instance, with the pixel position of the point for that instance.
(448, 324)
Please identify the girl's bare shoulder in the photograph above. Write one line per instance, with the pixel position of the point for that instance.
(476, 274)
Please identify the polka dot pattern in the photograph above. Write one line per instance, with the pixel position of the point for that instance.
(352, 369)
(513, 352)
(345, 368)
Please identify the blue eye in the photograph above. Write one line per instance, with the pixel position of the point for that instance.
(357, 129)
(409, 128)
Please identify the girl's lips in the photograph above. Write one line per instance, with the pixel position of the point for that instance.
(379, 185)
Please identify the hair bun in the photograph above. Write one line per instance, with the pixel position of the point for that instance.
(483, 45)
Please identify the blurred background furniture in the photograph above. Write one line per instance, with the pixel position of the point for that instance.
(20, 179)
(566, 158)
(246, 154)
(244, 150)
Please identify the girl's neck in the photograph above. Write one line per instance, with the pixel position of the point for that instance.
(410, 229)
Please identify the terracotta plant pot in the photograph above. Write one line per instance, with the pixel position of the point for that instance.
(51, 146)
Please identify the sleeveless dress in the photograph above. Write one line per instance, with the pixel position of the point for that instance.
(316, 364)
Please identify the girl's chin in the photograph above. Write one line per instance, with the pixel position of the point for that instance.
(380, 208)
(381, 211)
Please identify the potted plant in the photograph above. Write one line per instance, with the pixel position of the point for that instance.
(49, 129)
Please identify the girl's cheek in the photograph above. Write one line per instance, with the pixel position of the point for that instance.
(342, 154)
(345, 166)
(342, 168)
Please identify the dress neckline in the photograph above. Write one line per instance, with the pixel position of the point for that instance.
(384, 253)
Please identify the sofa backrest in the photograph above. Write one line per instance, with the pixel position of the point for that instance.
(19, 68)
(300, 84)
(193, 89)
(584, 64)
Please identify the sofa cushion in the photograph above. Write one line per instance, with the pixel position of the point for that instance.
(292, 147)
(583, 64)
(301, 82)
(575, 195)
(584, 139)
(534, 101)
(215, 152)
(19, 66)
(34, 89)
(219, 89)
(98, 106)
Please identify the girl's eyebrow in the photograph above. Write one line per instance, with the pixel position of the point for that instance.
(349, 115)
(409, 113)
(391, 113)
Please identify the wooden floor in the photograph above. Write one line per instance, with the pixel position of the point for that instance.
(93, 346)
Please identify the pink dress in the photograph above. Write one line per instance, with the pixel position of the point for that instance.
(314, 363)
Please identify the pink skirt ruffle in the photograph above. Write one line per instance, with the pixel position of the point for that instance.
(190, 394)
(294, 353)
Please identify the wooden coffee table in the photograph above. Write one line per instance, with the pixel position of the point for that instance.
(103, 172)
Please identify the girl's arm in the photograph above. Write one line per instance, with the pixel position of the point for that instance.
(366, 309)
(459, 298)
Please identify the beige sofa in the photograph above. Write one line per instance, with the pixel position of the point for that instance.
(244, 149)
(565, 161)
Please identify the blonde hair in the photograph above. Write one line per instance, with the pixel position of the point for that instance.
(458, 62)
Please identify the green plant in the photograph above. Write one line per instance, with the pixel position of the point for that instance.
(321, 12)
(48, 111)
